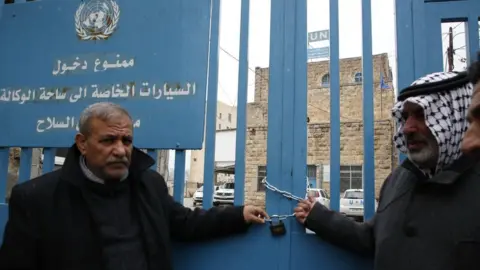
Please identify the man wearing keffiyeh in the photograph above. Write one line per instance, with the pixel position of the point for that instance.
(427, 216)
(430, 126)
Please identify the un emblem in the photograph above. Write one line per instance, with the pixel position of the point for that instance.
(96, 19)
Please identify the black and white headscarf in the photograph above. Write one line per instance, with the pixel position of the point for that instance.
(445, 116)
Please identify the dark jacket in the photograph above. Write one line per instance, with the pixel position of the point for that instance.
(51, 228)
(420, 224)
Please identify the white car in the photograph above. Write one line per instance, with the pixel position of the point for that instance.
(320, 196)
(351, 203)
(198, 195)
(224, 195)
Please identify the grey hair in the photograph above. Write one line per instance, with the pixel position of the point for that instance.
(104, 111)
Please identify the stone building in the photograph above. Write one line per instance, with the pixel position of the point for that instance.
(351, 131)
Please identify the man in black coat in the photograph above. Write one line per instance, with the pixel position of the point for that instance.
(106, 209)
(427, 217)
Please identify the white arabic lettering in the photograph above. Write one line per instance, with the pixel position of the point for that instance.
(170, 92)
(68, 122)
(63, 68)
(95, 91)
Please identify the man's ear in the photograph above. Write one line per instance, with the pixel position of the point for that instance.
(81, 141)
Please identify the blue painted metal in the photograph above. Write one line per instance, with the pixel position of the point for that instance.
(286, 164)
(179, 176)
(420, 49)
(293, 46)
(25, 165)
(48, 160)
(295, 130)
(153, 154)
(209, 165)
(427, 17)
(242, 104)
(368, 117)
(472, 37)
(287, 133)
(434, 55)
(404, 47)
(159, 46)
(334, 107)
(277, 70)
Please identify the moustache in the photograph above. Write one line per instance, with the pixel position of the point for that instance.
(416, 137)
(123, 161)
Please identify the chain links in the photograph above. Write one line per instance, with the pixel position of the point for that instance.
(285, 194)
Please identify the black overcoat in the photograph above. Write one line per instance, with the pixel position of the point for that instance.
(50, 226)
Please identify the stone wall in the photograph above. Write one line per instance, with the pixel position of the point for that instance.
(13, 167)
(318, 152)
(319, 96)
(351, 140)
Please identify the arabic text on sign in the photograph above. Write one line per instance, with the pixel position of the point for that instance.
(65, 67)
(68, 122)
(94, 91)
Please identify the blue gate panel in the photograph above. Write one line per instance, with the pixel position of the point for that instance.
(259, 250)
(159, 58)
(427, 16)
(138, 54)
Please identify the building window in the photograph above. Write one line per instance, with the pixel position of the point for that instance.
(351, 177)
(358, 77)
(229, 117)
(219, 126)
(261, 173)
(220, 116)
(326, 80)
(312, 176)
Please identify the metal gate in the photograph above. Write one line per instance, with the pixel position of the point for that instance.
(52, 67)
(419, 34)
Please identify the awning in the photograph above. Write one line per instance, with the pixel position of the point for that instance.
(225, 169)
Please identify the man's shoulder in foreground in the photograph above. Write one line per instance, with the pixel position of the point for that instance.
(152, 177)
(40, 186)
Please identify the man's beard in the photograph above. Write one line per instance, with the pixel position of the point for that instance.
(426, 157)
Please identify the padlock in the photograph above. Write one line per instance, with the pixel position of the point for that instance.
(277, 229)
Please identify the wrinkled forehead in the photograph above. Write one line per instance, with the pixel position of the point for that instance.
(118, 125)
(411, 107)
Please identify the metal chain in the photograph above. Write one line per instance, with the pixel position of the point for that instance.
(285, 194)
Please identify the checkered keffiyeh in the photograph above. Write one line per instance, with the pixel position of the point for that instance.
(445, 116)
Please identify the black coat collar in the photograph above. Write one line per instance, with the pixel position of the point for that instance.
(72, 172)
(447, 176)
(146, 199)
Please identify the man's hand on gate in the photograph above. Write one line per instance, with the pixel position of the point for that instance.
(303, 209)
(253, 214)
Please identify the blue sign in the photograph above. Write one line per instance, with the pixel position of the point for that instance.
(323, 52)
(149, 56)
